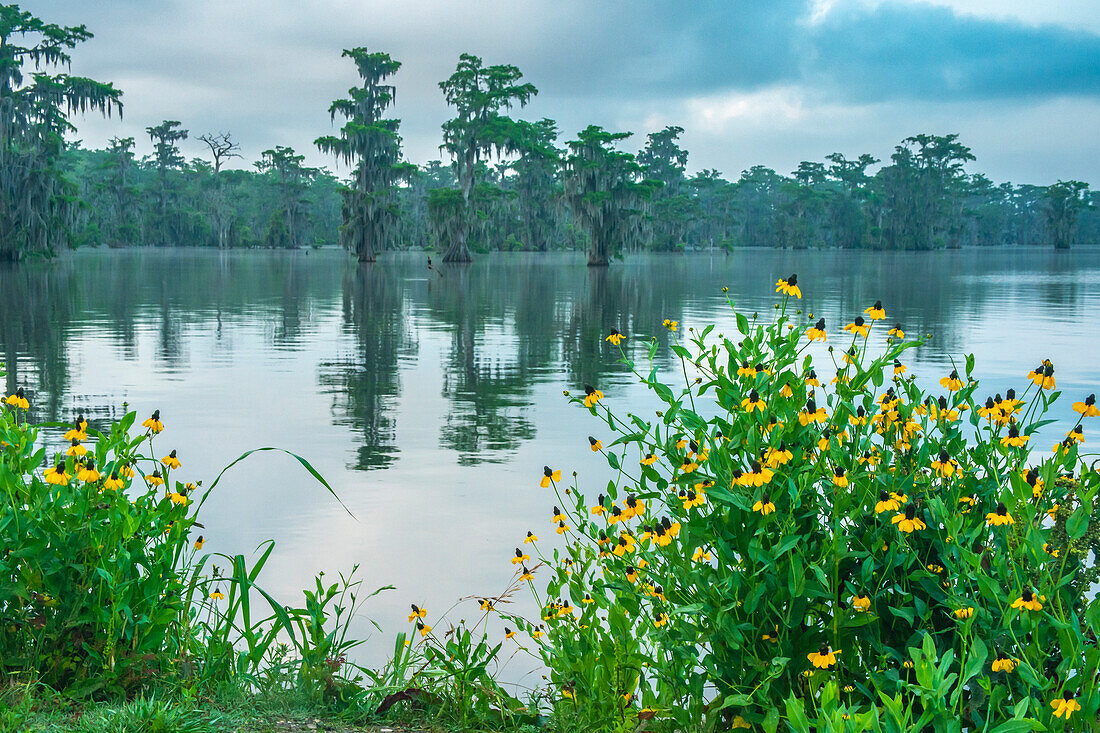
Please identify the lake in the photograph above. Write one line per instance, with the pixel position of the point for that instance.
(431, 399)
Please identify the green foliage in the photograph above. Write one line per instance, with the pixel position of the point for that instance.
(479, 93)
(38, 205)
(604, 189)
(841, 554)
(372, 145)
(104, 588)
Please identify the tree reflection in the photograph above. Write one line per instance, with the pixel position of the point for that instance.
(363, 382)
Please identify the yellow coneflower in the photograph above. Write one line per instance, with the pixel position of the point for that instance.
(944, 466)
(899, 368)
(1076, 434)
(76, 449)
(693, 499)
(531, 537)
(153, 423)
(79, 429)
(587, 599)
(417, 612)
(508, 633)
(520, 557)
(746, 370)
(952, 381)
(1004, 663)
(934, 568)
(549, 475)
(423, 628)
(1043, 375)
(1029, 600)
(886, 503)
(824, 658)
(786, 391)
(126, 470)
(861, 603)
(591, 395)
(217, 595)
(700, 555)
(776, 457)
(1053, 511)
(538, 632)
(87, 472)
(199, 542)
(177, 498)
(789, 286)
(817, 331)
(649, 459)
(811, 377)
(753, 402)
(171, 461)
(840, 480)
(155, 478)
(858, 327)
(812, 413)
(599, 509)
(876, 312)
(624, 545)
(1052, 551)
(1014, 439)
(113, 482)
(907, 521)
(688, 466)
(964, 613)
(670, 324)
(859, 418)
(1087, 408)
(660, 620)
(486, 604)
(1065, 706)
(764, 506)
(633, 506)
(896, 331)
(18, 400)
(999, 517)
(968, 502)
(57, 475)
(614, 337)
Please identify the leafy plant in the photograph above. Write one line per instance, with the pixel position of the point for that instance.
(843, 553)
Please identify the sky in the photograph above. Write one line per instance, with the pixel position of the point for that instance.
(752, 82)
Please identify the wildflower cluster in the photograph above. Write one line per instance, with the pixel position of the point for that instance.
(862, 550)
(94, 545)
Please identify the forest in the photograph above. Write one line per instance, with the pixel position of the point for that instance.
(504, 183)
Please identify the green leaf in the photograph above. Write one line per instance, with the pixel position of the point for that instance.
(1013, 726)
(1078, 523)
(613, 461)
(796, 715)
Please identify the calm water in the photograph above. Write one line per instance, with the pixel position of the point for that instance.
(431, 402)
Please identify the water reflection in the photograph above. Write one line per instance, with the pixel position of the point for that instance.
(427, 396)
(363, 382)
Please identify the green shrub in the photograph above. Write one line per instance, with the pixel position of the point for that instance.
(836, 554)
(104, 587)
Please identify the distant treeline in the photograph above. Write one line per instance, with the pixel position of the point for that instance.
(831, 204)
(507, 186)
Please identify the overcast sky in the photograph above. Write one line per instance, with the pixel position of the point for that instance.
(769, 82)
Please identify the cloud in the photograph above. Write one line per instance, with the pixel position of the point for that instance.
(909, 51)
(742, 71)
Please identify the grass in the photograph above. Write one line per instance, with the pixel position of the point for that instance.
(27, 710)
